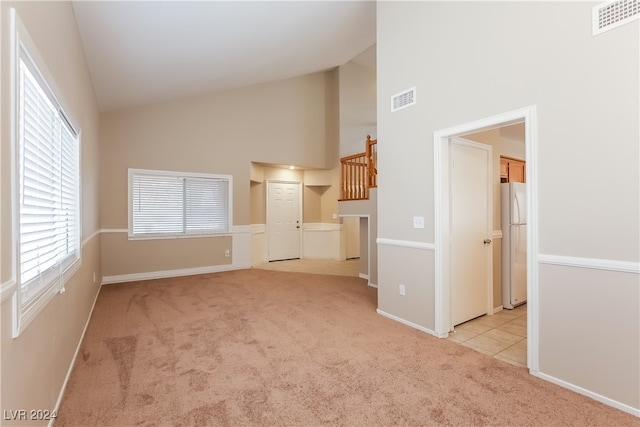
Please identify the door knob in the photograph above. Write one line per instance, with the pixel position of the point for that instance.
(487, 241)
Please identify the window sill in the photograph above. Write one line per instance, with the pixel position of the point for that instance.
(180, 236)
(25, 315)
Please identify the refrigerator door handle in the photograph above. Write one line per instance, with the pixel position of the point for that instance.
(516, 209)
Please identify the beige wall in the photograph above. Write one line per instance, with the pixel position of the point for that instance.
(357, 107)
(599, 360)
(159, 255)
(258, 203)
(281, 122)
(329, 198)
(286, 122)
(35, 364)
(474, 60)
(312, 196)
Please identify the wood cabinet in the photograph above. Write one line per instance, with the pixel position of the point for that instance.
(504, 169)
(512, 170)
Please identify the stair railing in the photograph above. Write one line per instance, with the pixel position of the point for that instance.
(359, 172)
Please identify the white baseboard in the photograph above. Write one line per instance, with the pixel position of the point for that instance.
(323, 258)
(136, 277)
(595, 396)
(75, 356)
(366, 277)
(497, 309)
(411, 324)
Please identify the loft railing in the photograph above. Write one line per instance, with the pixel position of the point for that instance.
(372, 159)
(359, 172)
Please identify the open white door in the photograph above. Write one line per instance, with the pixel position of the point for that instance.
(471, 230)
(284, 220)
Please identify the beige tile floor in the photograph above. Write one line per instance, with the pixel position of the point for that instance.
(502, 335)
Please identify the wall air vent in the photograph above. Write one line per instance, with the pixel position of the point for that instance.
(403, 99)
(612, 14)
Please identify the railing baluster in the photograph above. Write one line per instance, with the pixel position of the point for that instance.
(359, 173)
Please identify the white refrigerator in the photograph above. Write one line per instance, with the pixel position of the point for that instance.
(513, 197)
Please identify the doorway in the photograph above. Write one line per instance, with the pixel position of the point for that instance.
(443, 242)
(284, 220)
(351, 226)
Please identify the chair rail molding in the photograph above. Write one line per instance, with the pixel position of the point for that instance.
(405, 244)
(593, 263)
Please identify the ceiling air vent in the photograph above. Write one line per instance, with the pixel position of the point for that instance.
(403, 99)
(612, 14)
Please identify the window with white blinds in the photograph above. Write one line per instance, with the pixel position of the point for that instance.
(178, 204)
(48, 187)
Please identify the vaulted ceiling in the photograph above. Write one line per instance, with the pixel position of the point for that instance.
(140, 52)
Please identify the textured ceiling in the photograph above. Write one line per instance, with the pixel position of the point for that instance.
(140, 52)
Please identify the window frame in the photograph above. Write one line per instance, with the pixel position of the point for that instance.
(184, 234)
(54, 278)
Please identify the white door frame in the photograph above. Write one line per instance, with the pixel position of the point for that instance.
(441, 190)
(489, 235)
(277, 181)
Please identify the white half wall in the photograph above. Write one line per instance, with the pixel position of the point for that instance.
(323, 241)
(258, 243)
(319, 241)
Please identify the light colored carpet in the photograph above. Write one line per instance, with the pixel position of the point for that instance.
(255, 347)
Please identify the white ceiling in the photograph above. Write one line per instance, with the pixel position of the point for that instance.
(141, 52)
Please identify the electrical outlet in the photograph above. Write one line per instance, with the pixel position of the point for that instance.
(418, 222)
(227, 252)
(401, 289)
(94, 277)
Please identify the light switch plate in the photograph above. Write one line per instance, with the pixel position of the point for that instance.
(418, 222)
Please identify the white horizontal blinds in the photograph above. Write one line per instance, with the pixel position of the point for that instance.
(158, 204)
(70, 188)
(170, 204)
(48, 162)
(206, 205)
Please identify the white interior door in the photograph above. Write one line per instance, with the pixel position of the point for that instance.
(284, 220)
(470, 230)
